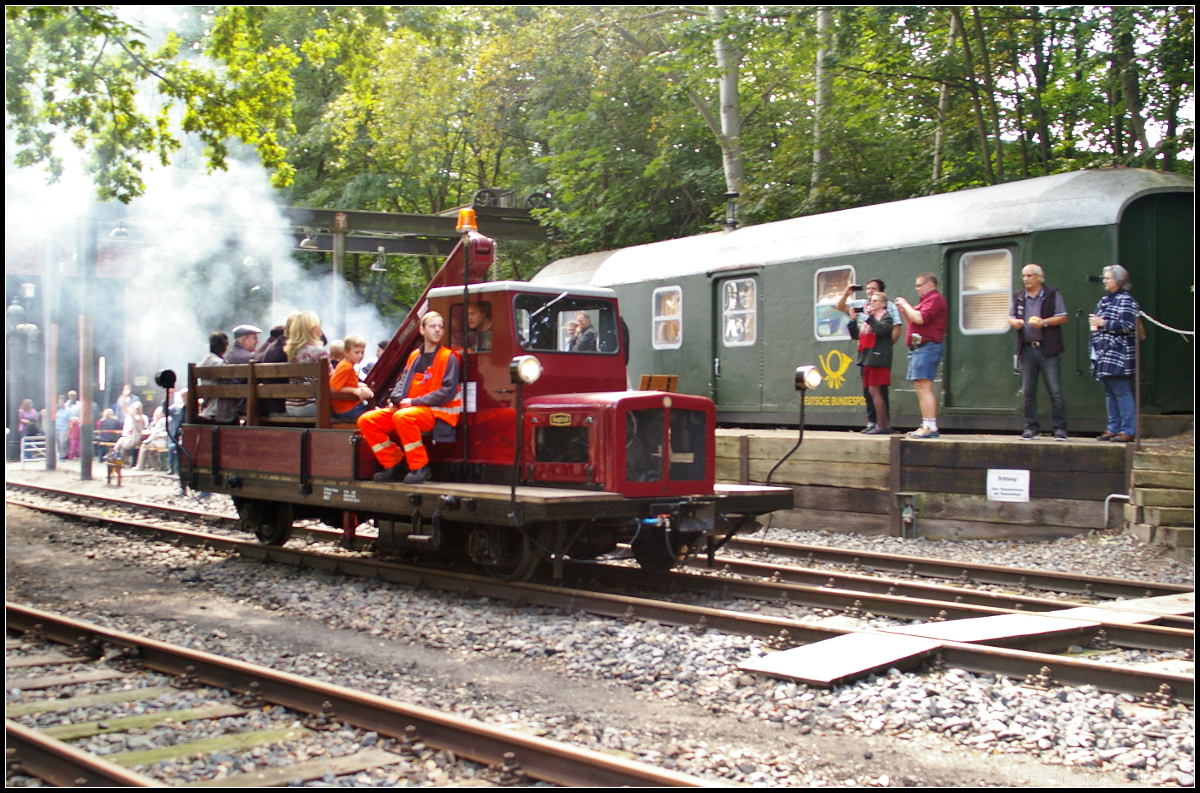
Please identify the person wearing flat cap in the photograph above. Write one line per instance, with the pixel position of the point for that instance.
(245, 342)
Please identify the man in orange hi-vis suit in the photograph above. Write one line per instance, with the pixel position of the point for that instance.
(427, 393)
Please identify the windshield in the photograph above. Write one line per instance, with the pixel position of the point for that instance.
(557, 323)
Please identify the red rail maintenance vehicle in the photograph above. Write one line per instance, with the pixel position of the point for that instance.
(593, 464)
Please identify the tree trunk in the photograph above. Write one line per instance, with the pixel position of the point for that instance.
(942, 107)
(990, 85)
(1122, 33)
(728, 61)
(1041, 71)
(973, 87)
(820, 152)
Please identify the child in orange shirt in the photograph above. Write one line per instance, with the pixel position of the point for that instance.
(346, 394)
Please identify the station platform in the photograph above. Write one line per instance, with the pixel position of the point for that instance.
(849, 482)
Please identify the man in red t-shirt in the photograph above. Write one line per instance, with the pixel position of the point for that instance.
(925, 339)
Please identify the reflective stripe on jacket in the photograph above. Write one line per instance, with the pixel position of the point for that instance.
(423, 384)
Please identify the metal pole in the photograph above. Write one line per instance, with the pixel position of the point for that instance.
(13, 452)
(337, 321)
(50, 265)
(85, 270)
(465, 377)
(86, 388)
(1137, 384)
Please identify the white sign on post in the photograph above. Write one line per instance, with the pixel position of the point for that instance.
(1007, 485)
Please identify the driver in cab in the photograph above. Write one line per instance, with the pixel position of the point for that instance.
(427, 398)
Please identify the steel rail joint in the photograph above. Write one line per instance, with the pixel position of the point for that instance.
(63, 765)
(538, 757)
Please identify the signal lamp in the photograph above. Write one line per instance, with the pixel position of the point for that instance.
(525, 369)
(466, 220)
(807, 378)
(380, 263)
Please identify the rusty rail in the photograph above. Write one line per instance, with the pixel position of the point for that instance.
(540, 758)
(63, 765)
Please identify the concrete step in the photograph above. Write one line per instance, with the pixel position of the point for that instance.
(1178, 480)
(1156, 461)
(1160, 497)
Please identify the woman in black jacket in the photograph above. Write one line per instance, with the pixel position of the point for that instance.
(875, 356)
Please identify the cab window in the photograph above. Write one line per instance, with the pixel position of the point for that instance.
(561, 323)
(479, 327)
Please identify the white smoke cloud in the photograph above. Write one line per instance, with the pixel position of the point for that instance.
(205, 251)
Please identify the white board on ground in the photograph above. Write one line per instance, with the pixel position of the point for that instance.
(843, 658)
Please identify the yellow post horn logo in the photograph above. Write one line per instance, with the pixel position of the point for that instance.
(835, 363)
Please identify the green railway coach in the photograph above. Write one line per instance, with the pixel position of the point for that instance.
(733, 313)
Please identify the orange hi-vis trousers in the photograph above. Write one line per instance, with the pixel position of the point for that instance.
(378, 426)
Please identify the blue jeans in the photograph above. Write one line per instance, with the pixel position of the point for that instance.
(353, 413)
(1118, 398)
(1033, 360)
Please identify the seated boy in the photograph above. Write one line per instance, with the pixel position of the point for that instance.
(346, 394)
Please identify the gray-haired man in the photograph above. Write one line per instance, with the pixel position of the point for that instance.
(1037, 312)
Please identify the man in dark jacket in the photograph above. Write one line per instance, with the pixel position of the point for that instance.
(1037, 312)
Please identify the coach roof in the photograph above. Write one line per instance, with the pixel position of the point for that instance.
(1068, 200)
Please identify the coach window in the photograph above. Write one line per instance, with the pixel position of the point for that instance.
(667, 304)
(985, 289)
(831, 283)
(739, 312)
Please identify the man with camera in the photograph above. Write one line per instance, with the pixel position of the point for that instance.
(1036, 313)
(855, 308)
(926, 334)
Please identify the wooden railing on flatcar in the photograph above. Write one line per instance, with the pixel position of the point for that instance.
(259, 382)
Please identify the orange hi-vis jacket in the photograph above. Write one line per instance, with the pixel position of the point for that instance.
(431, 380)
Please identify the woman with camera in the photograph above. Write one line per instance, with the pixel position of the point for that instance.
(874, 336)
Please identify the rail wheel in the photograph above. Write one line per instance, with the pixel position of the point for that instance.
(269, 521)
(659, 551)
(507, 554)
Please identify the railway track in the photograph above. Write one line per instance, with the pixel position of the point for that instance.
(1011, 661)
(247, 706)
(1017, 582)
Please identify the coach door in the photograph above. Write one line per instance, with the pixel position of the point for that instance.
(978, 365)
(737, 357)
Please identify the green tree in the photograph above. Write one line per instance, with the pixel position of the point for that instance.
(77, 71)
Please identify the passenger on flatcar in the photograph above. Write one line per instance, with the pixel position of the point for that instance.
(1113, 353)
(337, 351)
(1037, 311)
(926, 334)
(304, 346)
(427, 398)
(221, 411)
(845, 304)
(245, 345)
(272, 352)
(368, 364)
(346, 394)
